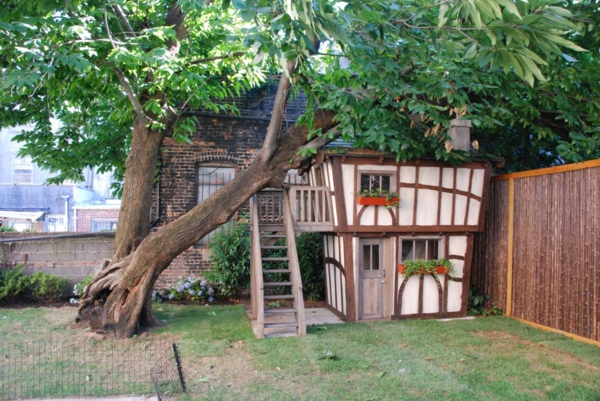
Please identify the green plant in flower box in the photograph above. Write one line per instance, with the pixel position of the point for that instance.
(423, 266)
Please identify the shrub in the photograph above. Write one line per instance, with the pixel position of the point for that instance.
(310, 258)
(192, 289)
(12, 283)
(230, 254)
(46, 287)
(5, 229)
(79, 287)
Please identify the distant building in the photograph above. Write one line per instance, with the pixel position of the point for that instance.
(27, 203)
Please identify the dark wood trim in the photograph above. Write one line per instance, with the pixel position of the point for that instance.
(440, 293)
(445, 300)
(416, 194)
(441, 189)
(440, 192)
(453, 210)
(336, 312)
(340, 203)
(433, 230)
(469, 198)
(355, 198)
(350, 293)
(398, 309)
(485, 197)
(337, 264)
(325, 257)
(467, 274)
(459, 257)
(391, 161)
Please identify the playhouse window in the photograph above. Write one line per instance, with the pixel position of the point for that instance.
(371, 257)
(375, 182)
(420, 249)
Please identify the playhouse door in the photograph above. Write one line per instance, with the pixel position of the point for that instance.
(372, 293)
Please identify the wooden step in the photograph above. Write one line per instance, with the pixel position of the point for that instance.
(273, 247)
(281, 296)
(267, 235)
(274, 271)
(281, 310)
(277, 283)
(276, 259)
(280, 325)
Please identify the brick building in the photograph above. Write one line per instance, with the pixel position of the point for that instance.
(222, 145)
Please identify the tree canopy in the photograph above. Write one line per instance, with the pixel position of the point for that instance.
(409, 68)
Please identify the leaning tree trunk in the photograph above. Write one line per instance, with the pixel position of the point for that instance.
(116, 298)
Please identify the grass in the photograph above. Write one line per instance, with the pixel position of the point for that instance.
(484, 359)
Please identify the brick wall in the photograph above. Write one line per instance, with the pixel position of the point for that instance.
(72, 258)
(232, 140)
(85, 216)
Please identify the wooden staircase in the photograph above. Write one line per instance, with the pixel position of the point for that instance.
(274, 268)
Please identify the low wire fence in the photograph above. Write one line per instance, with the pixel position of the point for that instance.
(51, 369)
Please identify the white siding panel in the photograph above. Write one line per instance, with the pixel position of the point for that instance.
(427, 207)
(407, 174)
(431, 295)
(460, 208)
(348, 191)
(446, 212)
(385, 217)
(407, 204)
(368, 216)
(448, 178)
(459, 267)
(462, 178)
(457, 245)
(429, 176)
(454, 296)
(410, 296)
(343, 292)
(473, 217)
(338, 280)
(477, 185)
(329, 175)
(334, 208)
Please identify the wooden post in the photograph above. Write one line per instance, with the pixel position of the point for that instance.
(509, 269)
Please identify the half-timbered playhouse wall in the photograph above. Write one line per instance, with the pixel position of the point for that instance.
(439, 209)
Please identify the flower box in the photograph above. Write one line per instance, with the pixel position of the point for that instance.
(373, 201)
(438, 270)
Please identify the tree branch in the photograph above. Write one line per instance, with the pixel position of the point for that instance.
(208, 59)
(270, 143)
(119, 11)
(137, 107)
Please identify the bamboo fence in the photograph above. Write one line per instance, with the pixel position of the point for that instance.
(539, 256)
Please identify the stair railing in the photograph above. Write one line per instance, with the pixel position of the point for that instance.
(295, 276)
(311, 207)
(257, 290)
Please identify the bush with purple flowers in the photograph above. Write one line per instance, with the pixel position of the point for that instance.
(191, 289)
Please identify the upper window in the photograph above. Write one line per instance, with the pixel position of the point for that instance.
(22, 170)
(211, 177)
(375, 182)
(420, 249)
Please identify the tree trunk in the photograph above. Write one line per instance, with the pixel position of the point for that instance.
(134, 217)
(117, 297)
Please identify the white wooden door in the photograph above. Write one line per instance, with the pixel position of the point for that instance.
(373, 285)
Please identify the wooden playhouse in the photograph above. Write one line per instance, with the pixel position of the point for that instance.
(439, 209)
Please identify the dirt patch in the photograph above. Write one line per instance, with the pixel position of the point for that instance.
(538, 355)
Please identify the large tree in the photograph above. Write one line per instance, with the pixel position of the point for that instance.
(119, 74)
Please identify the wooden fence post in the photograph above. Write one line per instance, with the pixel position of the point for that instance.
(509, 269)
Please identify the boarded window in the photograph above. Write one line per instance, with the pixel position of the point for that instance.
(211, 177)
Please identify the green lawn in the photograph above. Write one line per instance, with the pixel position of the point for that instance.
(490, 358)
